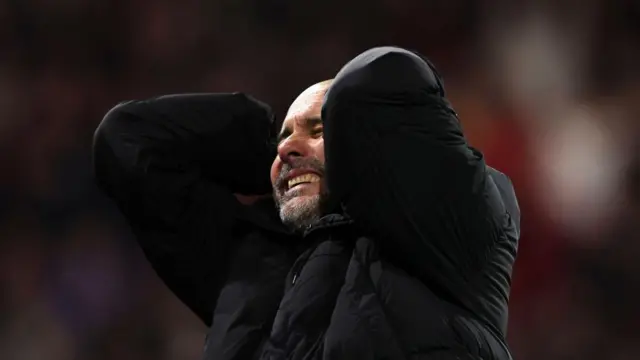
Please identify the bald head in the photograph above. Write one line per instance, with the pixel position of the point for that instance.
(309, 102)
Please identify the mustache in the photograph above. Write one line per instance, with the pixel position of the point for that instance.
(310, 163)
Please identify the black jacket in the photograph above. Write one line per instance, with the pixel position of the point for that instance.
(415, 263)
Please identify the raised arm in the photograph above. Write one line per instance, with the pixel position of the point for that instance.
(398, 162)
(172, 164)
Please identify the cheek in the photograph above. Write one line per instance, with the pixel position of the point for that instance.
(318, 150)
(275, 170)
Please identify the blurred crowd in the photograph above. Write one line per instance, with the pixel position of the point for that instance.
(548, 90)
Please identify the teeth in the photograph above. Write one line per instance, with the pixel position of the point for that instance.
(306, 178)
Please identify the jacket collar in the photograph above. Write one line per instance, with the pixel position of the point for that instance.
(267, 218)
(329, 221)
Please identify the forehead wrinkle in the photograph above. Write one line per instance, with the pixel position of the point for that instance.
(305, 106)
(301, 121)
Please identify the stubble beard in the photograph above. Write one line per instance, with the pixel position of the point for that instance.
(298, 212)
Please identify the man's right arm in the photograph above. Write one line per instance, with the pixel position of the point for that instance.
(172, 165)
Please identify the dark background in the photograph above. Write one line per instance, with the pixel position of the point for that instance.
(547, 89)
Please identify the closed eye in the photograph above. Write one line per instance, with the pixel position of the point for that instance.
(312, 126)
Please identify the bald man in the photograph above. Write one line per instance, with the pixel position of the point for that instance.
(387, 236)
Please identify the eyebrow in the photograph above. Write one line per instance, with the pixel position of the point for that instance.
(307, 122)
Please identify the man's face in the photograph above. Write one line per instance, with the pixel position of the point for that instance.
(298, 169)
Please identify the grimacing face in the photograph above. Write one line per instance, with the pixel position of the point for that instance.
(297, 172)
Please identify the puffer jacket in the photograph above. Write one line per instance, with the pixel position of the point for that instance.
(413, 261)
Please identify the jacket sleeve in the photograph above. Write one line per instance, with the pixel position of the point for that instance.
(398, 164)
(172, 164)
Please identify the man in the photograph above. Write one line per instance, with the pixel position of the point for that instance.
(392, 239)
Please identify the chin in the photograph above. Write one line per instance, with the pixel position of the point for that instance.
(301, 211)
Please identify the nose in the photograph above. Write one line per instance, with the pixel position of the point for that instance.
(292, 148)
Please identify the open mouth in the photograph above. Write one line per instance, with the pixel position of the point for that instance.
(307, 178)
(299, 177)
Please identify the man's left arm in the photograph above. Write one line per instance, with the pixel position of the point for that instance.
(398, 163)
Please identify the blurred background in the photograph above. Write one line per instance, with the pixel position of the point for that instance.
(548, 90)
